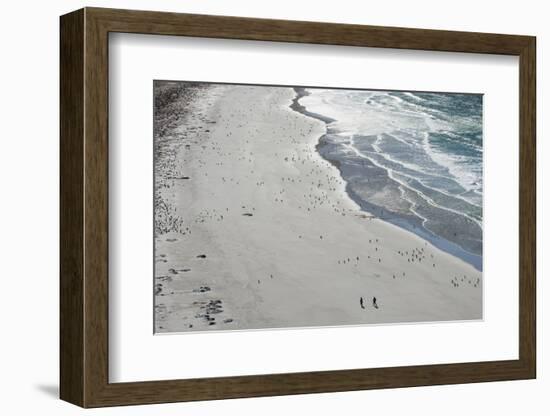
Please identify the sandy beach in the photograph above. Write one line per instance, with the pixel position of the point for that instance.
(254, 228)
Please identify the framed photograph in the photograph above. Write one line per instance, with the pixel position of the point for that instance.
(257, 207)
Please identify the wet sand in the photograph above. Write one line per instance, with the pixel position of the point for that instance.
(254, 229)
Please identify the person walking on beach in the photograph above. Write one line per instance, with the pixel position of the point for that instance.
(361, 303)
(374, 302)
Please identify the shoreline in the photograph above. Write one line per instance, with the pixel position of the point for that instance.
(289, 248)
(384, 214)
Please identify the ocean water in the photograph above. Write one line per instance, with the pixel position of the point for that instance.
(414, 159)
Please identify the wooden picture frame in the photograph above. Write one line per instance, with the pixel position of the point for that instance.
(84, 207)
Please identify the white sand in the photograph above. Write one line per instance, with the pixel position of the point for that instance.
(307, 254)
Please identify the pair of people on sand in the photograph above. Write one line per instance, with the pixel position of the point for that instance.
(362, 302)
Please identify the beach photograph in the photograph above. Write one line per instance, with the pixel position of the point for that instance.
(302, 207)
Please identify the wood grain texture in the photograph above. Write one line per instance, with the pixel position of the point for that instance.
(96, 208)
(162, 23)
(71, 297)
(84, 207)
(528, 207)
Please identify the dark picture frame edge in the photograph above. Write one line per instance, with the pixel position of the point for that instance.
(84, 358)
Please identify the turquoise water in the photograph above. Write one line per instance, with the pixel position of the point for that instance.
(414, 159)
